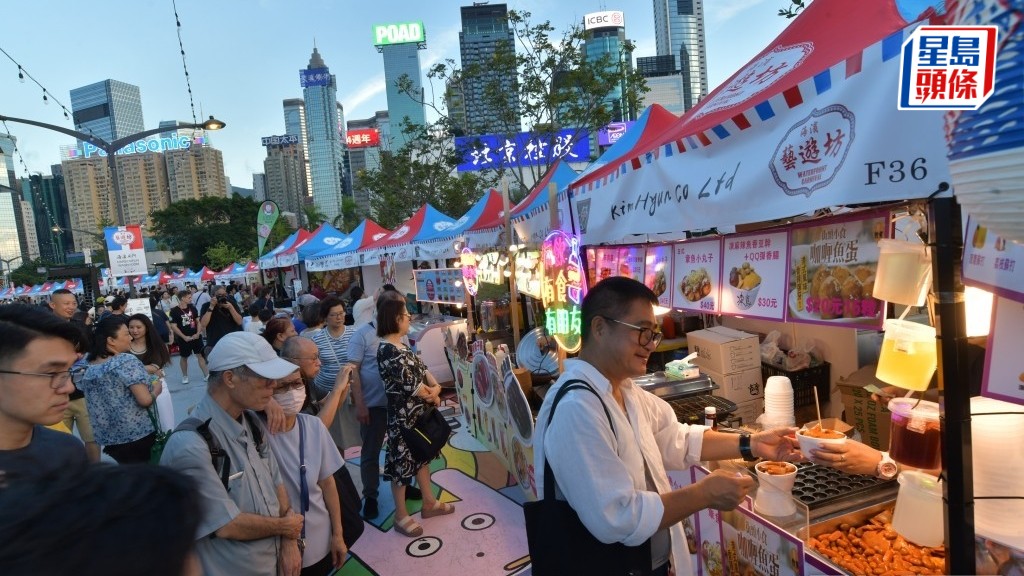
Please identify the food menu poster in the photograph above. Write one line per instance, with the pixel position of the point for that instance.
(631, 262)
(441, 285)
(707, 535)
(1004, 364)
(658, 272)
(696, 283)
(608, 261)
(990, 262)
(754, 274)
(528, 272)
(832, 268)
(753, 545)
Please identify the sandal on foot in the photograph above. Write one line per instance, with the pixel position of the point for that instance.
(409, 527)
(439, 509)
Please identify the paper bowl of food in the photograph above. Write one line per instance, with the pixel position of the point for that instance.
(745, 283)
(815, 438)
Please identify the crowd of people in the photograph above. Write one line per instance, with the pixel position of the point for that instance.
(256, 468)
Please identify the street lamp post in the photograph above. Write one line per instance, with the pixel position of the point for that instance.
(111, 148)
(7, 269)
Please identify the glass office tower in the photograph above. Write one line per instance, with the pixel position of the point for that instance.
(323, 138)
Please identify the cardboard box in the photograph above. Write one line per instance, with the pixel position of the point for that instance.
(742, 387)
(724, 350)
(869, 417)
(746, 413)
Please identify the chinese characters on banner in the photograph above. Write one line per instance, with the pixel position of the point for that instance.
(562, 289)
(1004, 364)
(441, 285)
(753, 545)
(362, 138)
(125, 250)
(279, 140)
(528, 273)
(497, 151)
(948, 67)
(697, 280)
(314, 77)
(832, 272)
(658, 272)
(990, 262)
(468, 262)
(754, 273)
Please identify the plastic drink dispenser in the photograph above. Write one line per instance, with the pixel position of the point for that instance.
(915, 434)
(918, 514)
(903, 274)
(908, 358)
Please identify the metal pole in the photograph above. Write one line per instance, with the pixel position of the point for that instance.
(515, 307)
(948, 304)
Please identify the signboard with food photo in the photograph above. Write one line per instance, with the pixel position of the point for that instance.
(832, 272)
(754, 270)
(753, 545)
(696, 283)
(658, 271)
(631, 262)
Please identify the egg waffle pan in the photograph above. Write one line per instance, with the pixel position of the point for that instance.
(818, 485)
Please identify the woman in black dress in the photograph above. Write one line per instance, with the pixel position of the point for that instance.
(410, 389)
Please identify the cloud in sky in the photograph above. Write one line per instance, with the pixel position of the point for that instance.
(721, 11)
(366, 92)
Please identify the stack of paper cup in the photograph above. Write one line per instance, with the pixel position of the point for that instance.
(778, 403)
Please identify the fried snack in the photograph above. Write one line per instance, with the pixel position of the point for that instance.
(875, 548)
(852, 293)
(868, 286)
(744, 277)
(696, 285)
(825, 433)
(660, 284)
(819, 277)
(776, 468)
(841, 273)
(829, 290)
(863, 272)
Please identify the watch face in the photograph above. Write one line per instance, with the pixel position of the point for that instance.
(887, 470)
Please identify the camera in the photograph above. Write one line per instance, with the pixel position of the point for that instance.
(222, 299)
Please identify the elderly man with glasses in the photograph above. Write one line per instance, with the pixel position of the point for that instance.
(609, 442)
(37, 352)
(248, 526)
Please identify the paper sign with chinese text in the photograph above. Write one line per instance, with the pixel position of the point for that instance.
(1004, 364)
(990, 262)
(753, 545)
(563, 288)
(605, 263)
(631, 262)
(126, 251)
(658, 272)
(528, 273)
(754, 281)
(832, 272)
(696, 279)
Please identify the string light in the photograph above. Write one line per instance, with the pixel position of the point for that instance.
(184, 65)
(21, 75)
(45, 99)
(47, 95)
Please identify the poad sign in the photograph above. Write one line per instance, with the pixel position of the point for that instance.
(563, 289)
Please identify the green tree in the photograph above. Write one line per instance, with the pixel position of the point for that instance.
(558, 87)
(350, 214)
(26, 273)
(794, 8)
(193, 226)
(220, 255)
(313, 216)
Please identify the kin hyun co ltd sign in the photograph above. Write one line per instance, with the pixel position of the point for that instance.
(176, 142)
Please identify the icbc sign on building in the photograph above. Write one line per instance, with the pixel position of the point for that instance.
(609, 19)
(362, 138)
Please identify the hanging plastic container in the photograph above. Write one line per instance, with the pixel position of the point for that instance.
(918, 514)
(915, 435)
(904, 272)
(909, 355)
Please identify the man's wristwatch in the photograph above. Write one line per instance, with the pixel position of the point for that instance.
(887, 468)
(745, 449)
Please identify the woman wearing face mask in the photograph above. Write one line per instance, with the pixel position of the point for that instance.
(305, 441)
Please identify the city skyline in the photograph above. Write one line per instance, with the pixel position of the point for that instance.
(246, 90)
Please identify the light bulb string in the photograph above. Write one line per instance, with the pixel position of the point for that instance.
(21, 160)
(184, 65)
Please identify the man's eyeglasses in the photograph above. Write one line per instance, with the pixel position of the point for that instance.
(645, 336)
(57, 379)
(286, 385)
(334, 315)
(313, 358)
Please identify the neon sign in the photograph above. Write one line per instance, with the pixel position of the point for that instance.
(563, 289)
(468, 263)
(151, 145)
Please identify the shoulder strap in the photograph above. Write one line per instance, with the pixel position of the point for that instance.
(577, 384)
(219, 456)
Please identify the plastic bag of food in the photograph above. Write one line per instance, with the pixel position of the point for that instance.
(770, 351)
(801, 356)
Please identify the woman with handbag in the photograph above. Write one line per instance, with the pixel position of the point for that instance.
(150, 348)
(411, 391)
(118, 394)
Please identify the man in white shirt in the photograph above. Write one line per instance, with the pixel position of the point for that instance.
(615, 480)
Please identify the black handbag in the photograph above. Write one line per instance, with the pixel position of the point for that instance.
(559, 543)
(351, 520)
(428, 435)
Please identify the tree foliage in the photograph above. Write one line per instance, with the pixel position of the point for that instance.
(794, 8)
(312, 216)
(350, 215)
(194, 226)
(221, 255)
(26, 273)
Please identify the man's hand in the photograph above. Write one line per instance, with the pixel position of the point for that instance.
(275, 417)
(343, 382)
(362, 412)
(777, 444)
(339, 552)
(725, 490)
(291, 525)
(290, 562)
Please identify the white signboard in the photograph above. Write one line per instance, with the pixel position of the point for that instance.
(606, 19)
(126, 251)
(755, 275)
(138, 306)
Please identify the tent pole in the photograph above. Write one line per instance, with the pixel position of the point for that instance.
(948, 304)
(514, 306)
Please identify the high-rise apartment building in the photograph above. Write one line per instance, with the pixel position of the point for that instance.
(295, 123)
(27, 232)
(455, 102)
(363, 158)
(323, 136)
(7, 144)
(284, 170)
(679, 31)
(402, 58)
(15, 231)
(144, 187)
(109, 109)
(485, 28)
(195, 172)
(259, 186)
(49, 203)
(605, 37)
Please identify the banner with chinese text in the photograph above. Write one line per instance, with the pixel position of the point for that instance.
(832, 271)
(696, 276)
(754, 270)
(492, 151)
(990, 262)
(126, 251)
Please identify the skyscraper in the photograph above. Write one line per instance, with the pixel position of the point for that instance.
(679, 31)
(259, 186)
(285, 177)
(295, 123)
(366, 157)
(195, 172)
(49, 203)
(605, 36)
(402, 58)
(323, 139)
(7, 144)
(484, 29)
(109, 109)
(14, 241)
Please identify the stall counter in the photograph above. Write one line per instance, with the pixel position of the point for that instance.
(426, 335)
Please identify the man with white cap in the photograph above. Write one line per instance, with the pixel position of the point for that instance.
(247, 526)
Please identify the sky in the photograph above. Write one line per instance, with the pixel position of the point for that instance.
(244, 56)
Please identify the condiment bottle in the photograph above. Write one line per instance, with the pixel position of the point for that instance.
(710, 417)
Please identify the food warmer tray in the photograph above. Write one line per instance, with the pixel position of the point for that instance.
(690, 410)
(667, 387)
(820, 486)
